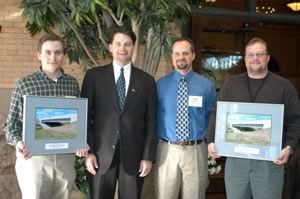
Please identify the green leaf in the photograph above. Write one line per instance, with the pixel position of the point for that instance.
(73, 14)
(44, 10)
(103, 5)
(89, 19)
(77, 19)
(93, 8)
(72, 4)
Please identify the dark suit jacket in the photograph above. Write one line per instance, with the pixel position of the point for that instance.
(135, 125)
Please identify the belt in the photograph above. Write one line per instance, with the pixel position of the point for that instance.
(184, 143)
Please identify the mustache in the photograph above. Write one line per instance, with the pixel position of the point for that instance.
(181, 61)
(182, 66)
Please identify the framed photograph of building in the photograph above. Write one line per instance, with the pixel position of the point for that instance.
(54, 125)
(249, 130)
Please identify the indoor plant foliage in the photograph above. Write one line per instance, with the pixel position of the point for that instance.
(213, 167)
(85, 25)
(81, 175)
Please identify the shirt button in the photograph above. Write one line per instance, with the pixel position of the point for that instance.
(117, 132)
(113, 146)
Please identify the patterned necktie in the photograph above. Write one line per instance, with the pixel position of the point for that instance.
(182, 115)
(121, 89)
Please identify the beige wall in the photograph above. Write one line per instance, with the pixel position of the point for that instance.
(8, 182)
(18, 48)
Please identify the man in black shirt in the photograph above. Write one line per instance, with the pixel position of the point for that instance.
(259, 178)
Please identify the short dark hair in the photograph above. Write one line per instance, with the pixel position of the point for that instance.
(257, 40)
(50, 37)
(187, 40)
(123, 30)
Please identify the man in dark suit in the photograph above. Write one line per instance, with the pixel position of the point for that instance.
(122, 103)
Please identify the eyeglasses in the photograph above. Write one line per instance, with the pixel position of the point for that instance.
(258, 55)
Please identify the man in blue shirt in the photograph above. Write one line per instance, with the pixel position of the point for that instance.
(185, 99)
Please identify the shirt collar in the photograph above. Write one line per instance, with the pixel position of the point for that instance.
(178, 76)
(117, 67)
(62, 73)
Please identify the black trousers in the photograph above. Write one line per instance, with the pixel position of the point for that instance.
(104, 186)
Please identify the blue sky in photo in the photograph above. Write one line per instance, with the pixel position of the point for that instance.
(248, 117)
(48, 113)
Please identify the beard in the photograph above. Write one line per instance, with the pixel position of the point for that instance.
(182, 64)
(257, 71)
(259, 68)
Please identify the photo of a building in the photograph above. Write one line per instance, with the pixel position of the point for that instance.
(248, 128)
(56, 123)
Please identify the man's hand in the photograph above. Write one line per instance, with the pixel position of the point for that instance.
(145, 168)
(212, 151)
(21, 151)
(283, 157)
(83, 152)
(91, 163)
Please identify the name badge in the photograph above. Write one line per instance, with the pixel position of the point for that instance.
(195, 101)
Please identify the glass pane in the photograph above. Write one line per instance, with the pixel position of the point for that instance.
(227, 4)
(262, 6)
(220, 42)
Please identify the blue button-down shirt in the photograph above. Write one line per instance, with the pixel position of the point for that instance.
(198, 116)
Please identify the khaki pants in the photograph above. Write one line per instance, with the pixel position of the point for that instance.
(46, 177)
(181, 169)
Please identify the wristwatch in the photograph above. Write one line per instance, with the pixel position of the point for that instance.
(290, 149)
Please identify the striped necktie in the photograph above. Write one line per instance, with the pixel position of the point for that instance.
(121, 89)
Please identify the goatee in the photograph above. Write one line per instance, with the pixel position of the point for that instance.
(182, 66)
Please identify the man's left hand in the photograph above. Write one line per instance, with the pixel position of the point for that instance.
(283, 157)
(83, 152)
(145, 168)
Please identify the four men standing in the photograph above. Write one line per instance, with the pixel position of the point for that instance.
(124, 106)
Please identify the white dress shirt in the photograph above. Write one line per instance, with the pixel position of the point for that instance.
(127, 72)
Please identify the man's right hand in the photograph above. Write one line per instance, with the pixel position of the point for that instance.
(91, 163)
(21, 151)
(212, 151)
